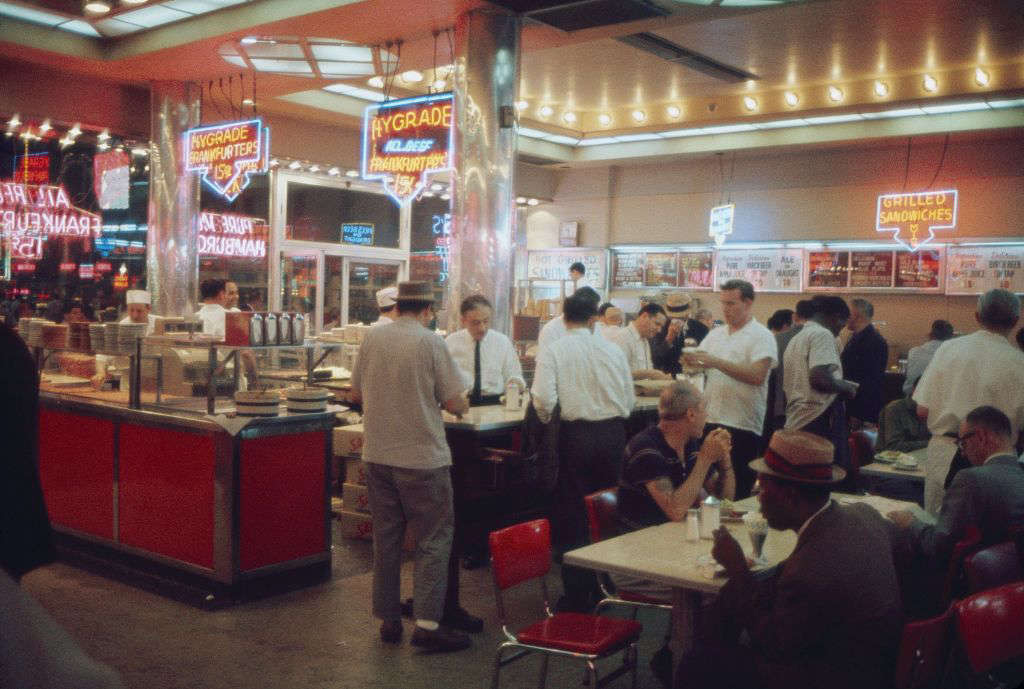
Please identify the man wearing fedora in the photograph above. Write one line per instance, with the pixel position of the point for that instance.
(829, 615)
(667, 346)
(403, 376)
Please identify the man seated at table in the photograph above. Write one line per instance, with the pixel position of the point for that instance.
(829, 615)
(486, 358)
(900, 428)
(989, 495)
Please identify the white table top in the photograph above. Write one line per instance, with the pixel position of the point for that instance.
(886, 470)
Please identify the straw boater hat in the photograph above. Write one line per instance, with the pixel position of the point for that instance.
(676, 303)
(800, 457)
(414, 291)
(386, 297)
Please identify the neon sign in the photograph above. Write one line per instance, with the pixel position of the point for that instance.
(721, 222)
(33, 168)
(913, 218)
(231, 236)
(43, 210)
(405, 141)
(357, 233)
(26, 246)
(225, 155)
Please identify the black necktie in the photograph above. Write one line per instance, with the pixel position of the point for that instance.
(476, 372)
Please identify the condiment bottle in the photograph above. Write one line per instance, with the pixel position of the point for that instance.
(692, 524)
(256, 333)
(298, 329)
(284, 329)
(710, 516)
(270, 329)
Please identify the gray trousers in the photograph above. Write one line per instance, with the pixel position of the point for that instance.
(421, 499)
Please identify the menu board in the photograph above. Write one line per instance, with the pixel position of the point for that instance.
(827, 270)
(628, 270)
(768, 270)
(919, 270)
(871, 269)
(696, 270)
(660, 269)
(553, 264)
(977, 269)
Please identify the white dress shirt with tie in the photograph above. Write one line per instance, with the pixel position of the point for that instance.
(499, 362)
(636, 348)
(587, 375)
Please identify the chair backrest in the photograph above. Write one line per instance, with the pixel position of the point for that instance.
(520, 552)
(601, 508)
(991, 626)
(924, 652)
(955, 574)
(993, 566)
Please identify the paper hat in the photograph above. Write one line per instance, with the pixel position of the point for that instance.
(386, 297)
(138, 296)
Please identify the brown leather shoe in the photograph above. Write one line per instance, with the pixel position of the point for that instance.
(391, 631)
(440, 640)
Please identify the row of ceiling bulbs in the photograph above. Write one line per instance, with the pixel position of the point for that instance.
(98, 7)
(411, 77)
(435, 189)
(835, 94)
(103, 138)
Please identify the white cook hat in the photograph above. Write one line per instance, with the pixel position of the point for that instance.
(138, 296)
(386, 297)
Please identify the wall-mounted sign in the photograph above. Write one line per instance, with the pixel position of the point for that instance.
(357, 233)
(103, 267)
(977, 269)
(721, 222)
(827, 270)
(441, 229)
(553, 264)
(26, 246)
(231, 236)
(569, 233)
(43, 210)
(914, 218)
(919, 270)
(24, 267)
(225, 155)
(86, 272)
(68, 267)
(696, 269)
(871, 269)
(110, 179)
(33, 168)
(660, 269)
(628, 270)
(768, 270)
(405, 141)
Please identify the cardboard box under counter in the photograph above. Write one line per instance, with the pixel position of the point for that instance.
(348, 440)
(359, 525)
(355, 471)
(356, 497)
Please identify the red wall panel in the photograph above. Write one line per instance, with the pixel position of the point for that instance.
(166, 492)
(282, 486)
(76, 466)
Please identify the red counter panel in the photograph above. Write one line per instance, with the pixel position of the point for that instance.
(76, 466)
(166, 492)
(282, 498)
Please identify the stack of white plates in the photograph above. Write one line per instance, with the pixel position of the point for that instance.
(97, 337)
(110, 338)
(307, 400)
(127, 333)
(257, 403)
(32, 330)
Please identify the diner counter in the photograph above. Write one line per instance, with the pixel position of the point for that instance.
(173, 497)
(495, 417)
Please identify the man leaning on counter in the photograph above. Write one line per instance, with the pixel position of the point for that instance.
(486, 358)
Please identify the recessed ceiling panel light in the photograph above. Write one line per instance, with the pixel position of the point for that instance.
(881, 88)
(674, 111)
(835, 94)
(605, 119)
(929, 83)
(791, 98)
(569, 117)
(546, 111)
(981, 77)
(639, 116)
(412, 76)
(750, 103)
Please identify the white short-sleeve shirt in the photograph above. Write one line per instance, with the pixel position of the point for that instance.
(732, 402)
(213, 318)
(813, 346)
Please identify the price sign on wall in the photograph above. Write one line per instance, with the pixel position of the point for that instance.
(554, 265)
(827, 270)
(628, 270)
(919, 270)
(768, 270)
(660, 269)
(871, 269)
(977, 269)
(696, 270)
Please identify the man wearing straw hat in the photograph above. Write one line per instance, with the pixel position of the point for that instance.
(829, 615)
(138, 309)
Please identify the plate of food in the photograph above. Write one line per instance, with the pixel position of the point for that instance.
(905, 463)
(730, 513)
(887, 456)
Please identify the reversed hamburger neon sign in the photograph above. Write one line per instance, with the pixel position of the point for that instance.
(405, 141)
(914, 218)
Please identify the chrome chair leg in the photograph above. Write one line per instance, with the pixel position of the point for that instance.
(543, 671)
(633, 661)
(497, 665)
(592, 673)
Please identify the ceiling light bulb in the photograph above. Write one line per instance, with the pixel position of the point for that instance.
(376, 82)
(439, 84)
(981, 77)
(274, 162)
(334, 171)
(103, 146)
(45, 126)
(929, 83)
(750, 103)
(522, 105)
(132, 2)
(532, 202)
(674, 111)
(74, 131)
(436, 186)
(294, 165)
(639, 116)
(446, 197)
(835, 94)
(412, 76)
(427, 194)
(248, 101)
(96, 6)
(104, 135)
(65, 142)
(139, 151)
(14, 121)
(352, 173)
(569, 117)
(521, 200)
(791, 98)
(881, 89)
(8, 133)
(314, 168)
(605, 119)
(546, 111)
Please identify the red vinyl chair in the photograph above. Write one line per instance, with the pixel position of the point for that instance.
(601, 508)
(953, 585)
(993, 566)
(991, 626)
(522, 553)
(924, 652)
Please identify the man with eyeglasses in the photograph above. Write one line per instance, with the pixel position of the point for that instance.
(989, 495)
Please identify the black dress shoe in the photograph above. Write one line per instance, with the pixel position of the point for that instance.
(463, 621)
(391, 631)
(440, 640)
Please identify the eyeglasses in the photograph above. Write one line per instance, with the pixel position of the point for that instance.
(962, 440)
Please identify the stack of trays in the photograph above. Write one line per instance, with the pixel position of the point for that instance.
(55, 336)
(110, 337)
(127, 333)
(307, 400)
(257, 403)
(78, 336)
(97, 337)
(32, 331)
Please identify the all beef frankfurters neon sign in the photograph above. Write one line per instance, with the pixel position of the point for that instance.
(405, 141)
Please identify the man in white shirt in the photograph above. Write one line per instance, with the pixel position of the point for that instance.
(737, 357)
(486, 358)
(608, 316)
(386, 303)
(589, 378)
(983, 368)
(213, 292)
(919, 357)
(555, 328)
(138, 302)
(635, 341)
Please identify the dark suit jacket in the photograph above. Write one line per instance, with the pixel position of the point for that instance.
(864, 359)
(833, 618)
(665, 354)
(990, 496)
